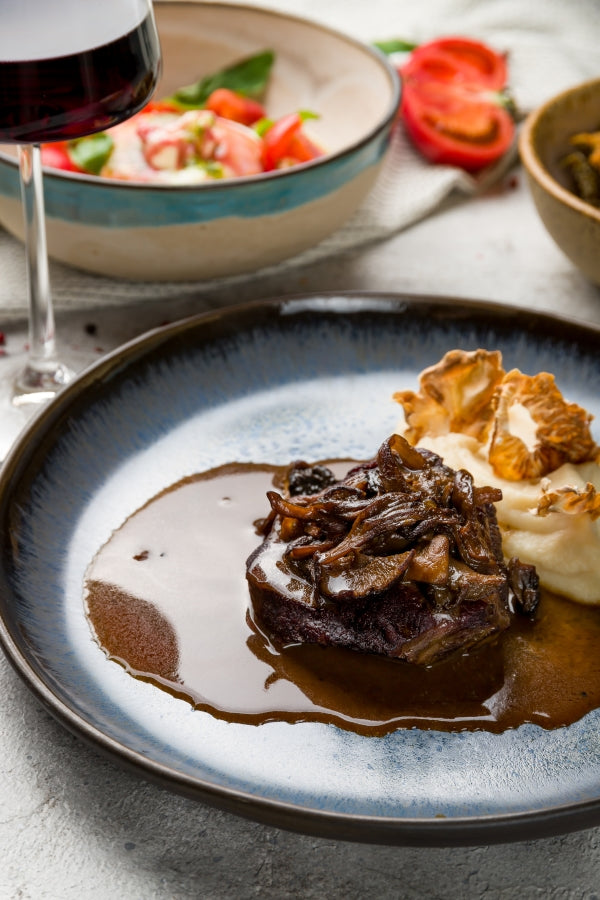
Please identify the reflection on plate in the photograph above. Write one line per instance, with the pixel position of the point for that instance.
(305, 377)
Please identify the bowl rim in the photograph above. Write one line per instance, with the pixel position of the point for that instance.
(385, 122)
(531, 158)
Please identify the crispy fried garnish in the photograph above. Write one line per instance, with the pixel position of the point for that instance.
(562, 430)
(572, 501)
(470, 393)
(455, 395)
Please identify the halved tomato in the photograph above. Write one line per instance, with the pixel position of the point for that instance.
(459, 60)
(453, 103)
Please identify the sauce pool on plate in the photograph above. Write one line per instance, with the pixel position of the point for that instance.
(166, 597)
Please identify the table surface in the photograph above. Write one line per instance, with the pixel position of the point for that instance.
(73, 824)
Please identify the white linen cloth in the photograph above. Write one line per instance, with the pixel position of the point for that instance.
(551, 45)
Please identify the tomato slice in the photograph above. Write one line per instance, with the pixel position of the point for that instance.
(302, 149)
(229, 105)
(452, 103)
(56, 156)
(285, 143)
(159, 106)
(278, 140)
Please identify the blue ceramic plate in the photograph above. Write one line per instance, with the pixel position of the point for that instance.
(304, 377)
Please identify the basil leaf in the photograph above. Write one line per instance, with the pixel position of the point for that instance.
(91, 153)
(306, 114)
(212, 168)
(395, 46)
(262, 126)
(248, 76)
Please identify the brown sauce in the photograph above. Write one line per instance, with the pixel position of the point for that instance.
(166, 597)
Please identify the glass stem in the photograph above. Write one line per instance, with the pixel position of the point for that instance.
(42, 346)
(43, 374)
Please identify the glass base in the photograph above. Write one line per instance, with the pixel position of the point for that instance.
(39, 383)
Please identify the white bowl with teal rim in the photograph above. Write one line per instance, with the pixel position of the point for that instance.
(181, 233)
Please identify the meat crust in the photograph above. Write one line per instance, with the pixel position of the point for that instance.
(401, 557)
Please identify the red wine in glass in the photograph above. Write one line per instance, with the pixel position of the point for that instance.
(79, 93)
(68, 68)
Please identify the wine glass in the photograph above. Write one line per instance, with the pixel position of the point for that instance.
(68, 68)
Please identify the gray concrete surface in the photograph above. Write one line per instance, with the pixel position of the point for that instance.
(72, 824)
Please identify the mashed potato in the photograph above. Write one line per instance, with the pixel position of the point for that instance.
(517, 433)
(565, 549)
